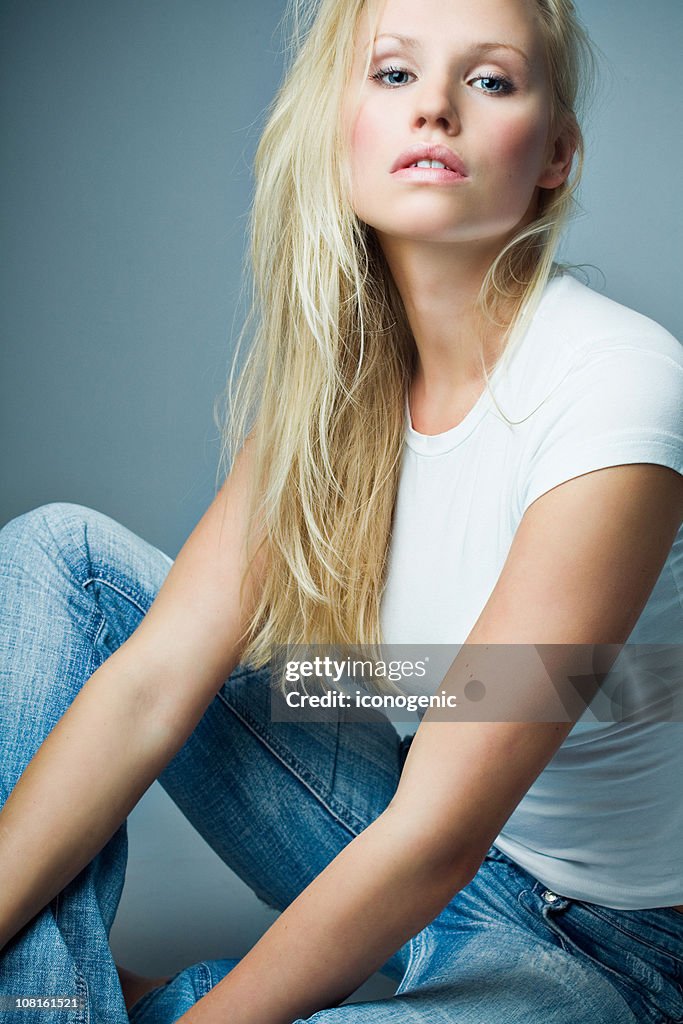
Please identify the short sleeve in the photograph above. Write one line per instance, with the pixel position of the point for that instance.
(622, 404)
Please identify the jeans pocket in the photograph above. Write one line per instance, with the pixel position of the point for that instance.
(647, 973)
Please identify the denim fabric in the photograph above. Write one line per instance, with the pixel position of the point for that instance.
(277, 801)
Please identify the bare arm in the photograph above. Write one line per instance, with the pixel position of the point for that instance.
(572, 576)
(131, 717)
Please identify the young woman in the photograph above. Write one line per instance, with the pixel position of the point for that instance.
(439, 438)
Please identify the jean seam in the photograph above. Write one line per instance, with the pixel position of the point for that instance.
(253, 728)
(629, 934)
(296, 767)
(82, 990)
(416, 947)
(573, 948)
(129, 595)
(206, 983)
(82, 1017)
(94, 635)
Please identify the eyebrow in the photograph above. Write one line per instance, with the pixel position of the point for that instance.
(414, 44)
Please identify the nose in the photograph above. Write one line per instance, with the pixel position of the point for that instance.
(434, 105)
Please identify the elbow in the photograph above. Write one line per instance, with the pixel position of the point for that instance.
(436, 851)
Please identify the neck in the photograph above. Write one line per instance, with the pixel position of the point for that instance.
(439, 284)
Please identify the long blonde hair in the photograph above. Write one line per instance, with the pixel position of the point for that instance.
(322, 390)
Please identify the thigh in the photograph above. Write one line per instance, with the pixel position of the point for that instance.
(495, 993)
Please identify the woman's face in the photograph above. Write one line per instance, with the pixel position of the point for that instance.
(472, 80)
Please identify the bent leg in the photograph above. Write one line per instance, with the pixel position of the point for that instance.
(74, 584)
(537, 988)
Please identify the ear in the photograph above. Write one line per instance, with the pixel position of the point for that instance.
(559, 159)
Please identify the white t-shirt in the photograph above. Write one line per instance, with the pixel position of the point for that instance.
(595, 384)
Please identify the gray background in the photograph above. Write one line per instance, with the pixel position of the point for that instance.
(128, 130)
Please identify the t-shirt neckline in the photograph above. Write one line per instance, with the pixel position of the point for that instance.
(438, 444)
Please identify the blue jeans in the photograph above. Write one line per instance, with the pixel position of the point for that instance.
(74, 584)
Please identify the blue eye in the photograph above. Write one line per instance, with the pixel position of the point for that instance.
(502, 86)
(492, 85)
(383, 72)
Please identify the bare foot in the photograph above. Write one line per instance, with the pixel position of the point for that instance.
(134, 986)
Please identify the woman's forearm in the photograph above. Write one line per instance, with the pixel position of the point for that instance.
(82, 782)
(371, 899)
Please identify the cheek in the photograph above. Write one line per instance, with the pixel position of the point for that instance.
(363, 139)
(518, 147)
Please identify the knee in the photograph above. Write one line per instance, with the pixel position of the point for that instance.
(48, 519)
(69, 543)
(56, 529)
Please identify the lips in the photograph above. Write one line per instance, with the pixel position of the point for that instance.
(443, 154)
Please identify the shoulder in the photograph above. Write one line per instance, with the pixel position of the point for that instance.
(581, 343)
(587, 322)
(607, 386)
